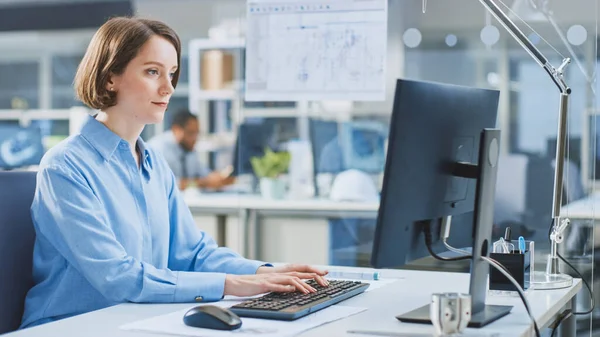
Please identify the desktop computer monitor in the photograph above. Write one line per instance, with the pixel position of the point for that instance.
(252, 138)
(256, 134)
(435, 130)
(342, 146)
(363, 145)
(20, 146)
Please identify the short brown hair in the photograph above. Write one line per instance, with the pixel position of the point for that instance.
(113, 46)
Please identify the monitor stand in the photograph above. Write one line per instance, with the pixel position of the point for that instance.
(485, 173)
(479, 319)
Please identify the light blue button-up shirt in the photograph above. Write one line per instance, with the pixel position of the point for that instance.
(109, 232)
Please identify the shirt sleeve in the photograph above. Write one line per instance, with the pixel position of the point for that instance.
(71, 217)
(194, 250)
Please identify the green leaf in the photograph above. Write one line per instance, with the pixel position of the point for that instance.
(271, 164)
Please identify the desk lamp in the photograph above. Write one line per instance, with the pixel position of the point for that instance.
(552, 278)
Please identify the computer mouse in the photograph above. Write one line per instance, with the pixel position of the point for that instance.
(212, 317)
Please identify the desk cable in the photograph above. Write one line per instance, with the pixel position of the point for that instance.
(490, 261)
(593, 302)
(446, 234)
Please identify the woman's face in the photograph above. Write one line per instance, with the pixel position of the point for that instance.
(144, 88)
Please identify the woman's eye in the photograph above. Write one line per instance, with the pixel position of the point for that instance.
(152, 71)
(171, 75)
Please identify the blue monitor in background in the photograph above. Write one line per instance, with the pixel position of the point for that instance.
(251, 142)
(338, 147)
(342, 146)
(363, 145)
(255, 134)
(327, 154)
(20, 146)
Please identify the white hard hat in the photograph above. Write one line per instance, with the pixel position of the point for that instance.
(353, 185)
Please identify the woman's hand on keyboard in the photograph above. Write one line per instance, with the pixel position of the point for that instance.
(318, 274)
(250, 285)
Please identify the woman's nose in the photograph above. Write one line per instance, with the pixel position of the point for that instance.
(167, 88)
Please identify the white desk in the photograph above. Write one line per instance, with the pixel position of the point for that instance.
(250, 209)
(383, 305)
(230, 203)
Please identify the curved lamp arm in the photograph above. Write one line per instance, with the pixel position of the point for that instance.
(543, 7)
(556, 74)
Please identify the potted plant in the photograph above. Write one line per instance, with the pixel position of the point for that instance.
(268, 169)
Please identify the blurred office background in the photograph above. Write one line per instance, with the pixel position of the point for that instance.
(338, 147)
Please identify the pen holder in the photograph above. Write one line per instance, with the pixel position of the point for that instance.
(520, 266)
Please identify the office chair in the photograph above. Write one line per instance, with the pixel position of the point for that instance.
(17, 236)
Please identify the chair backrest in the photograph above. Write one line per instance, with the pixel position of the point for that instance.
(17, 236)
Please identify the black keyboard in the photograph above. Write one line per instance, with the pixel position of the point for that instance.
(293, 305)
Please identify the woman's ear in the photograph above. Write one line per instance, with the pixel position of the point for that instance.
(111, 83)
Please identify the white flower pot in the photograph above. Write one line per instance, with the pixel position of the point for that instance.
(272, 188)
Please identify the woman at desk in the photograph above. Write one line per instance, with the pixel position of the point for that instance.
(111, 225)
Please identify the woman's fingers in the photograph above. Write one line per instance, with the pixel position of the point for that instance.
(303, 286)
(294, 281)
(304, 276)
(303, 268)
(310, 276)
(280, 288)
(321, 280)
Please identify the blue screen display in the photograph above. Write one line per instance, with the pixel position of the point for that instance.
(20, 146)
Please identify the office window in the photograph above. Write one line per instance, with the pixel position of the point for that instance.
(64, 69)
(19, 85)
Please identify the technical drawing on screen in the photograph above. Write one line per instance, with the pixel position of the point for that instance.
(316, 50)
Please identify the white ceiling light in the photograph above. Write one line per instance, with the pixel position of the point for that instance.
(451, 40)
(577, 34)
(493, 79)
(412, 37)
(490, 35)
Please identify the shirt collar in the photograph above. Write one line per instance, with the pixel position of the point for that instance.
(106, 142)
(146, 158)
(100, 137)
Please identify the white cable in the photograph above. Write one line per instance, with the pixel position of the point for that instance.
(456, 250)
(499, 267)
(445, 230)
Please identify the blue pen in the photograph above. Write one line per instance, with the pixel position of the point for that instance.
(521, 245)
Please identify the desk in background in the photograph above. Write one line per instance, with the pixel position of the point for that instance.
(251, 212)
(412, 289)
(252, 209)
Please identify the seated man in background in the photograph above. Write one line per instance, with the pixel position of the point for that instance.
(177, 146)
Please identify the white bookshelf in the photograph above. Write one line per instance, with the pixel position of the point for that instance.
(222, 138)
